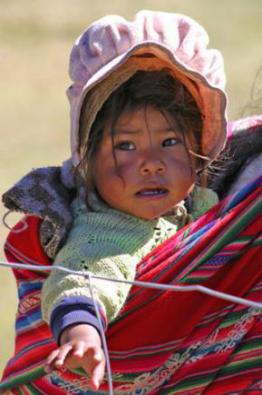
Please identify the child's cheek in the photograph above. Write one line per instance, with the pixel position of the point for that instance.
(125, 170)
(181, 165)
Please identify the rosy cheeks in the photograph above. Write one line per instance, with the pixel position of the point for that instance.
(127, 175)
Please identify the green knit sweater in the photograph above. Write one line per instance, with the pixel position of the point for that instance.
(105, 242)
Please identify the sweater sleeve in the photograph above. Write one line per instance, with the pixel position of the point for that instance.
(106, 244)
(71, 311)
(95, 259)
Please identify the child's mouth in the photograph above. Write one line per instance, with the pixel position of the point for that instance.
(152, 192)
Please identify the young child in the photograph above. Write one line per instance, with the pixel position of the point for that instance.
(142, 109)
(147, 116)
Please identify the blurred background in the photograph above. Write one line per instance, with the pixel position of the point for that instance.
(35, 40)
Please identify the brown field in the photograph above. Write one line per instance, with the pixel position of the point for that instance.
(36, 37)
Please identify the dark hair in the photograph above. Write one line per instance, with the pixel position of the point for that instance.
(155, 88)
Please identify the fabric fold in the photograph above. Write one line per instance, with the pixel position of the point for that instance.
(207, 344)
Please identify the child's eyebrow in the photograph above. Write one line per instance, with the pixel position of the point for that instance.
(124, 131)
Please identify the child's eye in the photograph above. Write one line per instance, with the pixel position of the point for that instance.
(169, 142)
(125, 146)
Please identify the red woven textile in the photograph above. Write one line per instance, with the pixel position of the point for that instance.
(163, 342)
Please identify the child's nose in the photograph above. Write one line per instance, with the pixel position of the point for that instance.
(152, 166)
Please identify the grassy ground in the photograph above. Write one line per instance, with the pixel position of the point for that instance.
(35, 40)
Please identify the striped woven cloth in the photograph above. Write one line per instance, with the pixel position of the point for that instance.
(163, 342)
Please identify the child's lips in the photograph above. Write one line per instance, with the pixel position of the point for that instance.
(152, 193)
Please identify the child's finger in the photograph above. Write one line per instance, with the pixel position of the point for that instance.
(98, 372)
(81, 355)
(91, 358)
(79, 350)
(57, 358)
(62, 355)
(50, 359)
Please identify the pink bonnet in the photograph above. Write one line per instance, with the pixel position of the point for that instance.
(176, 40)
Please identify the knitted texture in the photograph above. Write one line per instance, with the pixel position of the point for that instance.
(202, 200)
(42, 193)
(107, 243)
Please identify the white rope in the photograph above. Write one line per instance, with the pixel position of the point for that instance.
(145, 284)
(103, 338)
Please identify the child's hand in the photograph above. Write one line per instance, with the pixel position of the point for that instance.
(80, 348)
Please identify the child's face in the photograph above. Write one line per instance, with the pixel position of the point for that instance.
(145, 169)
